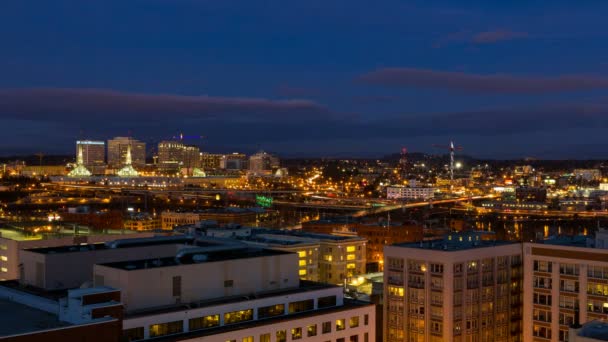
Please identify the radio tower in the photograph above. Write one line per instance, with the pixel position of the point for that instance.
(452, 149)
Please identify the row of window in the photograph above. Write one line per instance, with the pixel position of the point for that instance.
(210, 321)
(281, 336)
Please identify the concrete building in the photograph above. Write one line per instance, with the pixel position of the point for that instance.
(11, 242)
(210, 161)
(461, 288)
(263, 163)
(324, 258)
(93, 152)
(172, 219)
(254, 295)
(409, 193)
(234, 161)
(45, 268)
(170, 156)
(562, 277)
(530, 194)
(117, 152)
(142, 222)
(588, 174)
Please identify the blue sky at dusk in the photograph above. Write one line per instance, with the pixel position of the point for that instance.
(504, 79)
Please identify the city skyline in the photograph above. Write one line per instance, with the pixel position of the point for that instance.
(308, 80)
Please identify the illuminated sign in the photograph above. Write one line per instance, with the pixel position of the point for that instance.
(263, 201)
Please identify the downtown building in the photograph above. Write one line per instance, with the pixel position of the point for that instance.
(461, 288)
(565, 282)
(93, 154)
(163, 289)
(117, 152)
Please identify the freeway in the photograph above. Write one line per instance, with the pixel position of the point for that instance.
(532, 212)
(417, 204)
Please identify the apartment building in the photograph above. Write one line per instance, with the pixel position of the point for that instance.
(563, 279)
(460, 288)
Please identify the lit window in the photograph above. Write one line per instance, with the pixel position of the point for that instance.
(353, 322)
(296, 333)
(3, 247)
(3, 258)
(248, 339)
(302, 272)
(238, 316)
(312, 330)
(302, 262)
(166, 328)
(340, 324)
(302, 254)
(4, 269)
(351, 266)
(350, 249)
(265, 338)
(204, 322)
(281, 336)
(350, 257)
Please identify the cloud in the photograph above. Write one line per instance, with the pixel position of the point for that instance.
(52, 104)
(496, 83)
(490, 37)
(285, 90)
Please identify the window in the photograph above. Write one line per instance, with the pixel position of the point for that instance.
(248, 339)
(366, 319)
(3, 258)
(437, 268)
(271, 311)
(133, 334)
(570, 269)
(568, 302)
(395, 263)
(4, 269)
(177, 286)
(542, 266)
(228, 283)
(541, 315)
(351, 257)
(568, 285)
(597, 289)
(204, 322)
(302, 262)
(302, 254)
(354, 338)
(302, 272)
(542, 282)
(353, 322)
(296, 333)
(265, 338)
(166, 328)
(303, 305)
(3, 247)
(340, 324)
(395, 291)
(312, 330)
(281, 335)
(542, 299)
(350, 249)
(326, 327)
(366, 337)
(238, 316)
(325, 302)
(540, 331)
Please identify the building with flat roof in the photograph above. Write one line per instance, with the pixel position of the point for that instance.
(409, 193)
(562, 276)
(461, 288)
(321, 257)
(12, 241)
(93, 152)
(118, 148)
(245, 216)
(45, 267)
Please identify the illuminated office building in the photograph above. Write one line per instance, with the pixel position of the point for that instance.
(117, 152)
(93, 152)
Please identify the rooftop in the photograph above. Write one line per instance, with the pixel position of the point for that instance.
(595, 329)
(19, 319)
(453, 242)
(126, 243)
(572, 241)
(197, 258)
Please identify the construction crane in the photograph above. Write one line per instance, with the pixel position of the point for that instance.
(452, 149)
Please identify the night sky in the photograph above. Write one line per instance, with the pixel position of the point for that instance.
(504, 79)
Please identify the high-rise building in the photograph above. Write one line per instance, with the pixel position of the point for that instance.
(234, 161)
(170, 156)
(117, 152)
(461, 288)
(93, 152)
(563, 279)
(210, 161)
(263, 163)
(191, 158)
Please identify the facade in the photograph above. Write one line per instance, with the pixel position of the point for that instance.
(588, 174)
(11, 242)
(117, 152)
(93, 152)
(263, 163)
(170, 156)
(210, 161)
(460, 288)
(410, 193)
(142, 222)
(234, 161)
(561, 279)
(45, 267)
(172, 219)
(324, 258)
(254, 295)
(530, 194)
